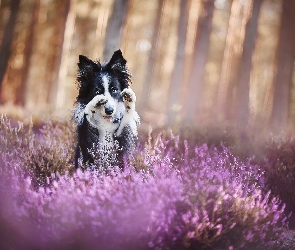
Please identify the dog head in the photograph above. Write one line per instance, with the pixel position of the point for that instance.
(104, 80)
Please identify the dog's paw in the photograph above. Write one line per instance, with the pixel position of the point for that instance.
(129, 99)
(99, 100)
(95, 103)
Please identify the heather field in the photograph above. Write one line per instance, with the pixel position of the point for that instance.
(192, 188)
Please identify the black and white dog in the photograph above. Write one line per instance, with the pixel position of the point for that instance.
(105, 110)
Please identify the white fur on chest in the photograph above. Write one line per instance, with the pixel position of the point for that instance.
(106, 139)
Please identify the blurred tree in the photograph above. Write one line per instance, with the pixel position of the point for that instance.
(285, 58)
(147, 84)
(243, 83)
(174, 95)
(201, 50)
(5, 48)
(61, 90)
(240, 13)
(40, 72)
(30, 36)
(101, 11)
(38, 54)
(114, 28)
(54, 58)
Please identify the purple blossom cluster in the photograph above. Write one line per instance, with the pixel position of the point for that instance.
(279, 164)
(170, 196)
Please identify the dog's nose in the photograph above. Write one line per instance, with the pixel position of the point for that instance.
(108, 110)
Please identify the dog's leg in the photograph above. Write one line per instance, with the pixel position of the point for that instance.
(131, 117)
(77, 156)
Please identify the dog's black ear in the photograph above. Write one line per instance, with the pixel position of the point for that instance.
(117, 65)
(87, 67)
(117, 61)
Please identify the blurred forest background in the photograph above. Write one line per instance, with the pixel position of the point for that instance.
(192, 61)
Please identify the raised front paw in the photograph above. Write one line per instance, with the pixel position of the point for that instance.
(129, 99)
(99, 100)
(95, 103)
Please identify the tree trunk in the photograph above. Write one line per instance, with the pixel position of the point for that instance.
(240, 12)
(201, 50)
(243, 87)
(5, 48)
(114, 28)
(21, 91)
(61, 95)
(177, 78)
(285, 57)
(55, 60)
(147, 84)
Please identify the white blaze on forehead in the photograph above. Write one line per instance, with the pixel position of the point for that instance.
(106, 83)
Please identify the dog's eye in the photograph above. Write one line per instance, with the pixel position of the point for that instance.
(114, 90)
(97, 92)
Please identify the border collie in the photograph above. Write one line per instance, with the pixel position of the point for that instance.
(105, 112)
